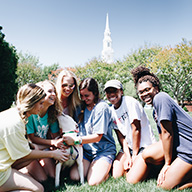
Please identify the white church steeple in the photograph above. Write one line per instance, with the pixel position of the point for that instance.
(107, 52)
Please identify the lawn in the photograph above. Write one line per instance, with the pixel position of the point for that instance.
(116, 185)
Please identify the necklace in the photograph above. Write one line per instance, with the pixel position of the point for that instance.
(90, 107)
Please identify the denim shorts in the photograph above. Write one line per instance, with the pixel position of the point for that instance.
(185, 157)
(109, 159)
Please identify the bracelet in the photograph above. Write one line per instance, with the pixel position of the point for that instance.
(79, 142)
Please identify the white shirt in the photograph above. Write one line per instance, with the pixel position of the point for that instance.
(130, 110)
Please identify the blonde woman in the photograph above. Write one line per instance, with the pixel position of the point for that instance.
(67, 89)
(39, 127)
(14, 147)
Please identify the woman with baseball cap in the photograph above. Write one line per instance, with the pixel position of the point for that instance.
(133, 128)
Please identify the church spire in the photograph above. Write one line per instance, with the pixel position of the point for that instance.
(107, 25)
(107, 52)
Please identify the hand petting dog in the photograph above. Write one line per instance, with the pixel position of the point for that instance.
(72, 140)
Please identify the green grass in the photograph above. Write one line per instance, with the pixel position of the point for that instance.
(116, 185)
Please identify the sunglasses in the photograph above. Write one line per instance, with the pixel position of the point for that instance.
(70, 86)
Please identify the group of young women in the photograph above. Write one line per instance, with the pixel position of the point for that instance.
(27, 164)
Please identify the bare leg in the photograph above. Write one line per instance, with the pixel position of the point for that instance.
(118, 169)
(48, 165)
(20, 163)
(74, 173)
(98, 172)
(138, 171)
(153, 154)
(36, 171)
(178, 173)
(19, 181)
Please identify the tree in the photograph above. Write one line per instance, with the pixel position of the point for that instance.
(8, 63)
(173, 67)
(98, 70)
(31, 71)
(47, 70)
(120, 70)
(141, 56)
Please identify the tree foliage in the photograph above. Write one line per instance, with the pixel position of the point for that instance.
(173, 66)
(96, 69)
(31, 71)
(120, 70)
(8, 63)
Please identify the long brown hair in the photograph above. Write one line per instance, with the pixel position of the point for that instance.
(92, 86)
(55, 109)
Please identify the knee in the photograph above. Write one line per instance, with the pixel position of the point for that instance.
(92, 182)
(117, 170)
(74, 175)
(116, 174)
(166, 186)
(131, 180)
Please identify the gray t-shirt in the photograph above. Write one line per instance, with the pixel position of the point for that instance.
(99, 121)
(165, 108)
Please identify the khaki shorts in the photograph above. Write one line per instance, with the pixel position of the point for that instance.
(4, 176)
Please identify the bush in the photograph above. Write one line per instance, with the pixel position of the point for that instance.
(8, 63)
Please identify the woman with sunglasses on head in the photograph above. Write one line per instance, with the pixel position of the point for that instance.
(67, 89)
(133, 128)
(174, 149)
(95, 125)
(15, 152)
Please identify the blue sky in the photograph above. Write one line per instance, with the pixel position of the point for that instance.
(70, 32)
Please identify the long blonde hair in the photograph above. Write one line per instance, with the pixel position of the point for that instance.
(55, 109)
(73, 99)
(27, 96)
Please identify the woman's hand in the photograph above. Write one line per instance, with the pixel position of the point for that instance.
(60, 155)
(58, 143)
(161, 176)
(68, 140)
(134, 156)
(127, 163)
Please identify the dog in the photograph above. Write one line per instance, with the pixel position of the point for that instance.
(70, 128)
